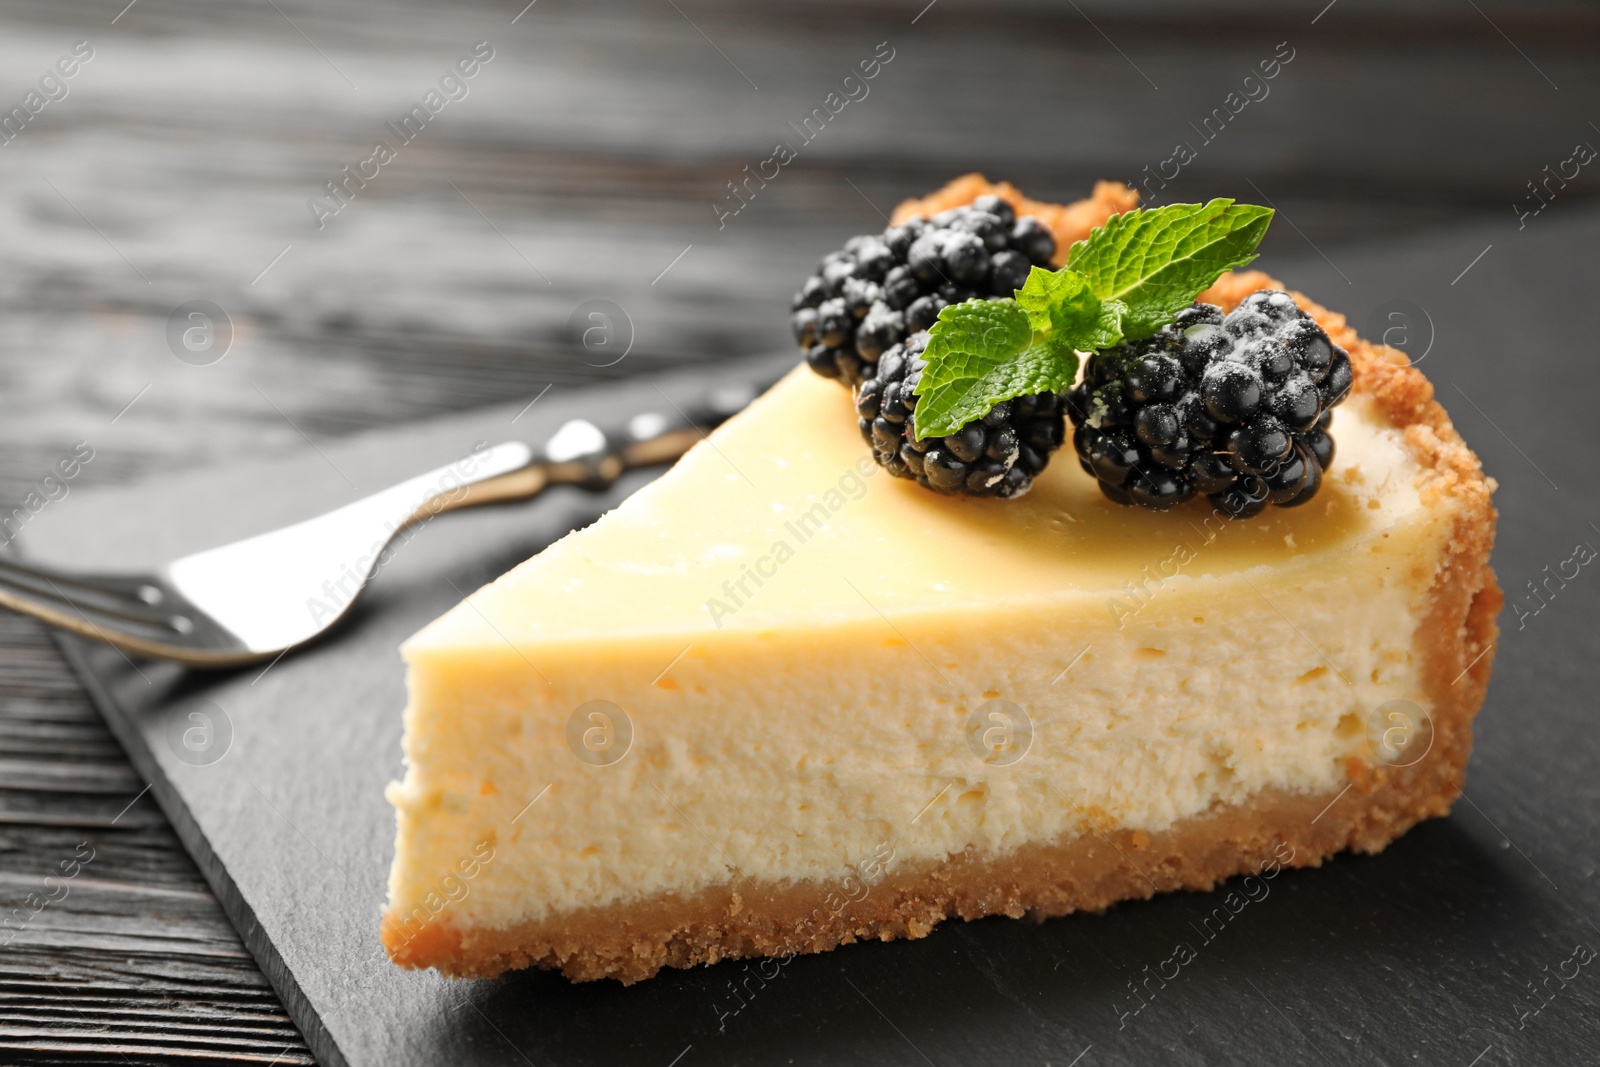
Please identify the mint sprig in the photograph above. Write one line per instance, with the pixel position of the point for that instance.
(1154, 263)
(1128, 279)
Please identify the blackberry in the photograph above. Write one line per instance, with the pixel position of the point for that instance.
(998, 455)
(879, 290)
(1235, 407)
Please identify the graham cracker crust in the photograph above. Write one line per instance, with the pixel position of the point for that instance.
(1097, 866)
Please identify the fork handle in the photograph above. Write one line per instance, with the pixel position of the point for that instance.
(579, 453)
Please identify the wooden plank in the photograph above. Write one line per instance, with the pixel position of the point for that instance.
(137, 961)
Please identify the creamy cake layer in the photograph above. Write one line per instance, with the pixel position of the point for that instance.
(795, 714)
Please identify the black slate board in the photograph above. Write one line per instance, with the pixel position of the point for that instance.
(1428, 953)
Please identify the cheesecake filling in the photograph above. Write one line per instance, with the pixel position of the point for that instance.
(789, 669)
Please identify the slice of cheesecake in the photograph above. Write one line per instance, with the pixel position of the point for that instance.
(778, 700)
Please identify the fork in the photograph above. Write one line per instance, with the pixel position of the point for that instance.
(257, 598)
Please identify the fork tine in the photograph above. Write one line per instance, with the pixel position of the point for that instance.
(84, 626)
(180, 631)
(88, 598)
(140, 588)
(52, 608)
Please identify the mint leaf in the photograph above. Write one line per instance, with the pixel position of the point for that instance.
(1063, 303)
(982, 352)
(1154, 262)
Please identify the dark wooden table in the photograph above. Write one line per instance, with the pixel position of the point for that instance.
(582, 163)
